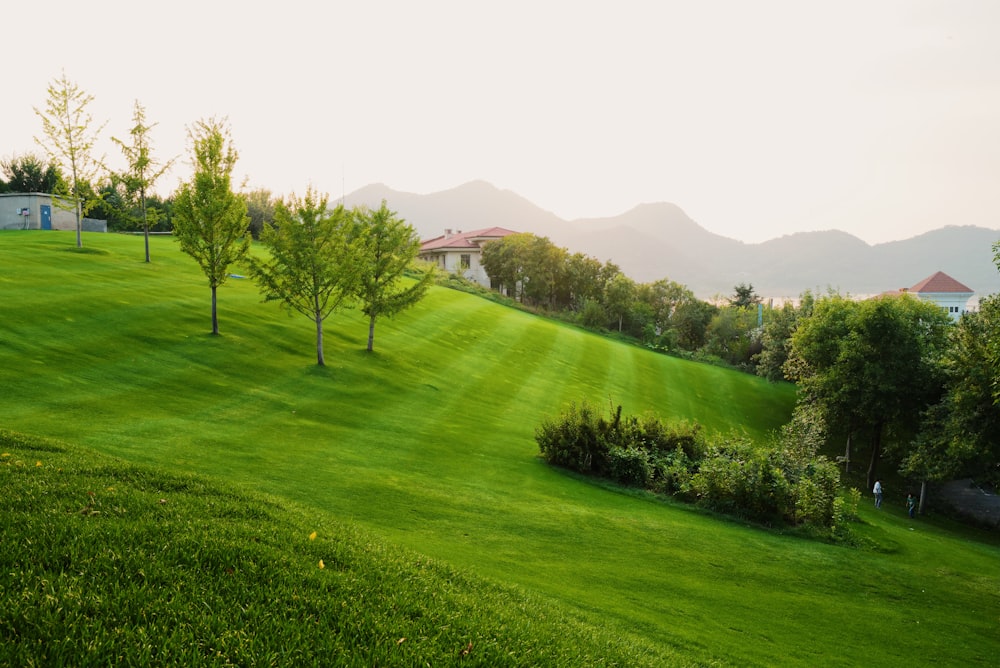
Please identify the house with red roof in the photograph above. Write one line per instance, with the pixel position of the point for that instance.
(461, 252)
(944, 291)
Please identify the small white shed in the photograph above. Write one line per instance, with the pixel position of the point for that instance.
(38, 211)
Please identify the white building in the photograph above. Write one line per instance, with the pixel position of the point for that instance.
(944, 291)
(38, 211)
(461, 252)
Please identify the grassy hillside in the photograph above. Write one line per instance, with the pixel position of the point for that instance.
(428, 444)
(107, 563)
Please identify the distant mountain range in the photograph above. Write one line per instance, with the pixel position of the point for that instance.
(654, 241)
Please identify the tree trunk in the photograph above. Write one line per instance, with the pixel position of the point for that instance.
(923, 496)
(371, 333)
(215, 317)
(876, 454)
(79, 225)
(145, 226)
(320, 360)
(847, 454)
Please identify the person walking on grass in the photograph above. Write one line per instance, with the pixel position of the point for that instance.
(911, 504)
(877, 491)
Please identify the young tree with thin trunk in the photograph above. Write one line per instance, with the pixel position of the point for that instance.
(313, 268)
(142, 170)
(71, 138)
(210, 220)
(387, 245)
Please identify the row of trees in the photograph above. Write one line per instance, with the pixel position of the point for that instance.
(321, 258)
(663, 314)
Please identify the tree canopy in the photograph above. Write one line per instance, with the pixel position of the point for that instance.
(29, 173)
(387, 246)
(210, 220)
(71, 136)
(869, 365)
(314, 265)
(141, 172)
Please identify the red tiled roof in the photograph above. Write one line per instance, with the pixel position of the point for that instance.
(939, 282)
(472, 239)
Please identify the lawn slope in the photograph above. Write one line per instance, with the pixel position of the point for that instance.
(428, 443)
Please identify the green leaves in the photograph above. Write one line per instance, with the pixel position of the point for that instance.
(210, 220)
(387, 246)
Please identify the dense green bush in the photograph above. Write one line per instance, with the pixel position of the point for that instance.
(743, 479)
(779, 481)
(629, 466)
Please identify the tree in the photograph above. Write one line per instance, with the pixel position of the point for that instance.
(744, 297)
(68, 127)
(732, 335)
(961, 434)
(260, 208)
(142, 170)
(504, 261)
(619, 297)
(28, 173)
(387, 246)
(776, 339)
(582, 280)
(210, 220)
(690, 321)
(314, 266)
(871, 365)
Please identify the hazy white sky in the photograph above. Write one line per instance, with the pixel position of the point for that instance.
(877, 117)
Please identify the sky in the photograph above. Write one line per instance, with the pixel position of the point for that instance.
(880, 118)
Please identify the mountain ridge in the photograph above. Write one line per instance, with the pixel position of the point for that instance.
(656, 240)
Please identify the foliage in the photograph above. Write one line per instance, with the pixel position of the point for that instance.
(742, 479)
(871, 365)
(210, 220)
(140, 174)
(961, 434)
(29, 173)
(733, 336)
(776, 338)
(782, 481)
(315, 264)
(387, 246)
(260, 208)
(744, 296)
(68, 127)
(620, 298)
(690, 320)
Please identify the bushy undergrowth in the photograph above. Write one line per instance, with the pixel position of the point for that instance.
(779, 481)
(104, 563)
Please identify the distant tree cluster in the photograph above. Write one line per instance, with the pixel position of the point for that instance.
(784, 481)
(893, 378)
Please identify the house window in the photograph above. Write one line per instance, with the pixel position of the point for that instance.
(466, 261)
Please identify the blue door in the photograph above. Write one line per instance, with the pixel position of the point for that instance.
(46, 214)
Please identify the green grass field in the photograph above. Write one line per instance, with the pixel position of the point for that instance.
(428, 444)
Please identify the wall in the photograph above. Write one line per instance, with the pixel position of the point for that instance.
(11, 219)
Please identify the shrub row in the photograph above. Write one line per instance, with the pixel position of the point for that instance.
(780, 481)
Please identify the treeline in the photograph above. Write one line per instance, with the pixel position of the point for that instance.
(781, 482)
(663, 315)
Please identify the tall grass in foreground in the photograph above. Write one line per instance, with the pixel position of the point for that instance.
(104, 563)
